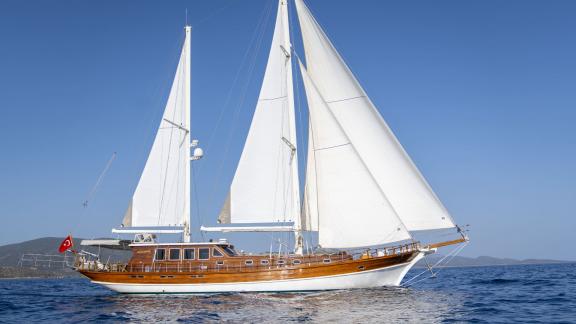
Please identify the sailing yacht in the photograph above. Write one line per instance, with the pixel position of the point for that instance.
(362, 194)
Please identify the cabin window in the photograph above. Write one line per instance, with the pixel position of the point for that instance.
(219, 262)
(217, 253)
(174, 254)
(229, 250)
(204, 254)
(326, 260)
(189, 254)
(264, 262)
(280, 262)
(296, 262)
(160, 254)
(248, 262)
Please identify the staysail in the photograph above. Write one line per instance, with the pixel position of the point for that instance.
(162, 197)
(389, 165)
(352, 209)
(265, 187)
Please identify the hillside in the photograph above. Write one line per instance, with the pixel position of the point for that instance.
(12, 265)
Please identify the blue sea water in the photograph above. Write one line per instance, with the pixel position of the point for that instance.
(502, 294)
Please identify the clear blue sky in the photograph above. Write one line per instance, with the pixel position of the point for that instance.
(482, 94)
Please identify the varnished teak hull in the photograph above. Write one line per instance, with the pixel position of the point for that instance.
(361, 273)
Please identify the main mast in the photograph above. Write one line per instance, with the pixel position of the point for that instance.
(294, 183)
(187, 110)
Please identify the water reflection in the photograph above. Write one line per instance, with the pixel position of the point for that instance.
(383, 305)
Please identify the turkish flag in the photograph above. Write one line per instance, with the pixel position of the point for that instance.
(66, 244)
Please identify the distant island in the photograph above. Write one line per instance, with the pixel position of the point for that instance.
(42, 259)
(12, 266)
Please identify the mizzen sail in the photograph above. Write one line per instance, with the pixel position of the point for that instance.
(162, 197)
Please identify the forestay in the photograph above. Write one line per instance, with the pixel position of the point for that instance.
(265, 185)
(162, 195)
(375, 144)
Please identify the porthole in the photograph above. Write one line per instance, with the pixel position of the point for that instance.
(248, 262)
(326, 260)
(296, 262)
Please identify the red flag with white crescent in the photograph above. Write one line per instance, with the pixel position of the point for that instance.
(66, 244)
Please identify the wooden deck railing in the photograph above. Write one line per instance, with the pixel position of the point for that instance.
(288, 262)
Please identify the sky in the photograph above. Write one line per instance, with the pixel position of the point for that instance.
(482, 94)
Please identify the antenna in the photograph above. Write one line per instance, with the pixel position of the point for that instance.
(186, 17)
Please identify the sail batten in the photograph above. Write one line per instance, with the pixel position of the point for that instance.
(409, 194)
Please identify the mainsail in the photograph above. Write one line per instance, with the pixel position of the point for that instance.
(162, 197)
(265, 187)
(375, 145)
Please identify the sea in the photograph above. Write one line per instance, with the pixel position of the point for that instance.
(495, 294)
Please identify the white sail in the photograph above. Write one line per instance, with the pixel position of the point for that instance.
(265, 187)
(309, 218)
(408, 192)
(162, 197)
(352, 209)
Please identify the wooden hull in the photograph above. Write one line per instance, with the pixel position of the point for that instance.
(362, 273)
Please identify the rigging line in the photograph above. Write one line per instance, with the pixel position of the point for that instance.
(268, 99)
(196, 200)
(214, 13)
(236, 115)
(253, 39)
(345, 99)
(452, 253)
(169, 144)
(436, 273)
(99, 180)
(151, 116)
(331, 147)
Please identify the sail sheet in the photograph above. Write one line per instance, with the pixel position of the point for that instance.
(406, 189)
(265, 185)
(161, 197)
(352, 209)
